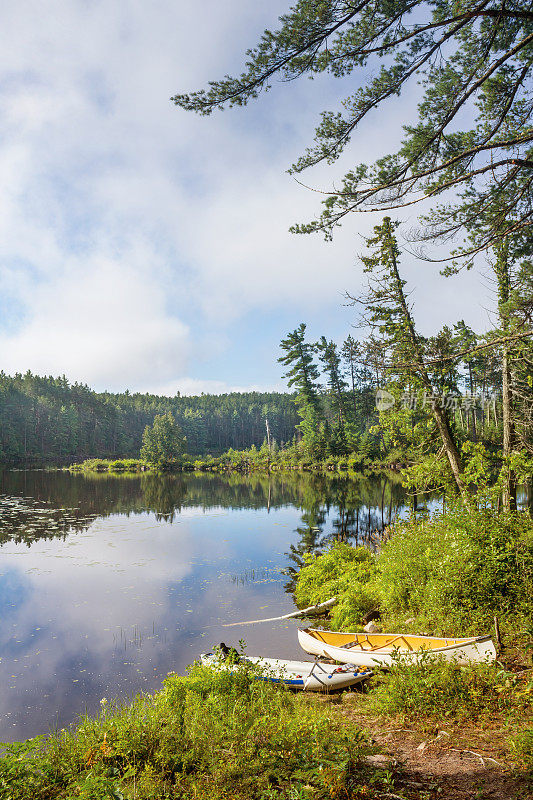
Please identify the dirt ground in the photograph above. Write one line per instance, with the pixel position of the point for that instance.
(449, 761)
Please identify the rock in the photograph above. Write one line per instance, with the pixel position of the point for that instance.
(378, 760)
(371, 628)
(409, 621)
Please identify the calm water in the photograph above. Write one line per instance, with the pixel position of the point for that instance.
(108, 583)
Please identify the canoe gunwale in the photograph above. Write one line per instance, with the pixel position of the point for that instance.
(313, 676)
(457, 643)
(473, 649)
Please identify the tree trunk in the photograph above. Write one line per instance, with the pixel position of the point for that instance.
(474, 431)
(439, 414)
(509, 491)
(504, 289)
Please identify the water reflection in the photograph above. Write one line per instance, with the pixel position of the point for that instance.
(107, 583)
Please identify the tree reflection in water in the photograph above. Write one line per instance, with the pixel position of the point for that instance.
(43, 505)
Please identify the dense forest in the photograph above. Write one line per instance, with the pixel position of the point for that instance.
(454, 409)
(45, 419)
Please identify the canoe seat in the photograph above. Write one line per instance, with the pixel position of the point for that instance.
(368, 647)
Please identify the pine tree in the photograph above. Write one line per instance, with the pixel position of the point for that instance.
(303, 374)
(163, 443)
(387, 312)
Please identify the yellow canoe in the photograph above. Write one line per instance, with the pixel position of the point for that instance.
(378, 649)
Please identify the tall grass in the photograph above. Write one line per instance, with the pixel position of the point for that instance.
(437, 689)
(213, 735)
(523, 748)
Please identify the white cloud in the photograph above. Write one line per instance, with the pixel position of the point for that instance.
(107, 320)
(130, 231)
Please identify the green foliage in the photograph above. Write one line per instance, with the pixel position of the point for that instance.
(52, 421)
(215, 735)
(438, 689)
(107, 465)
(163, 442)
(523, 748)
(483, 81)
(451, 573)
(455, 572)
(344, 572)
(302, 373)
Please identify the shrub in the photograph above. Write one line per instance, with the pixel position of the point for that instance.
(214, 735)
(345, 572)
(523, 747)
(435, 688)
(455, 572)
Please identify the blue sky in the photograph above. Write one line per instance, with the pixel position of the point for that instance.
(142, 247)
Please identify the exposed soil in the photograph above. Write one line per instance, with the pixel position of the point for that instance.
(448, 761)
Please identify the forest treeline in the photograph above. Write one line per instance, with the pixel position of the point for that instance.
(49, 420)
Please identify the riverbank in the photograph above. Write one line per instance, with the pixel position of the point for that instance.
(465, 719)
(216, 735)
(239, 462)
(452, 574)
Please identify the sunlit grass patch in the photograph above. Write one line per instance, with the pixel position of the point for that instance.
(523, 749)
(214, 735)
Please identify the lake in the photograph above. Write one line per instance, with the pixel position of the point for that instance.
(107, 583)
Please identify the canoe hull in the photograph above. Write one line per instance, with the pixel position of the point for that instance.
(311, 676)
(460, 651)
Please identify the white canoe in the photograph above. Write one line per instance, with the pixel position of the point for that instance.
(313, 676)
(380, 649)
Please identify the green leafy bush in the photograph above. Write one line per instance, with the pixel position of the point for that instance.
(455, 572)
(523, 747)
(438, 689)
(344, 572)
(452, 574)
(216, 734)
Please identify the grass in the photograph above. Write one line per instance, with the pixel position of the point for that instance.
(122, 465)
(213, 735)
(221, 735)
(451, 575)
(108, 465)
(523, 748)
(437, 690)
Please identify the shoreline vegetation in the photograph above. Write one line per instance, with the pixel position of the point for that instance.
(222, 734)
(244, 462)
(452, 411)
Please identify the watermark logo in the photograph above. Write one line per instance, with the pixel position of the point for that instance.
(451, 402)
(384, 400)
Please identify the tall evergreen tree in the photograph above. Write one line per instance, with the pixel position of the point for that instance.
(484, 78)
(303, 374)
(163, 442)
(336, 383)
(351, 355)
(387, 312)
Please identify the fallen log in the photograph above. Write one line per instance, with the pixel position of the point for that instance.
(302, 613)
